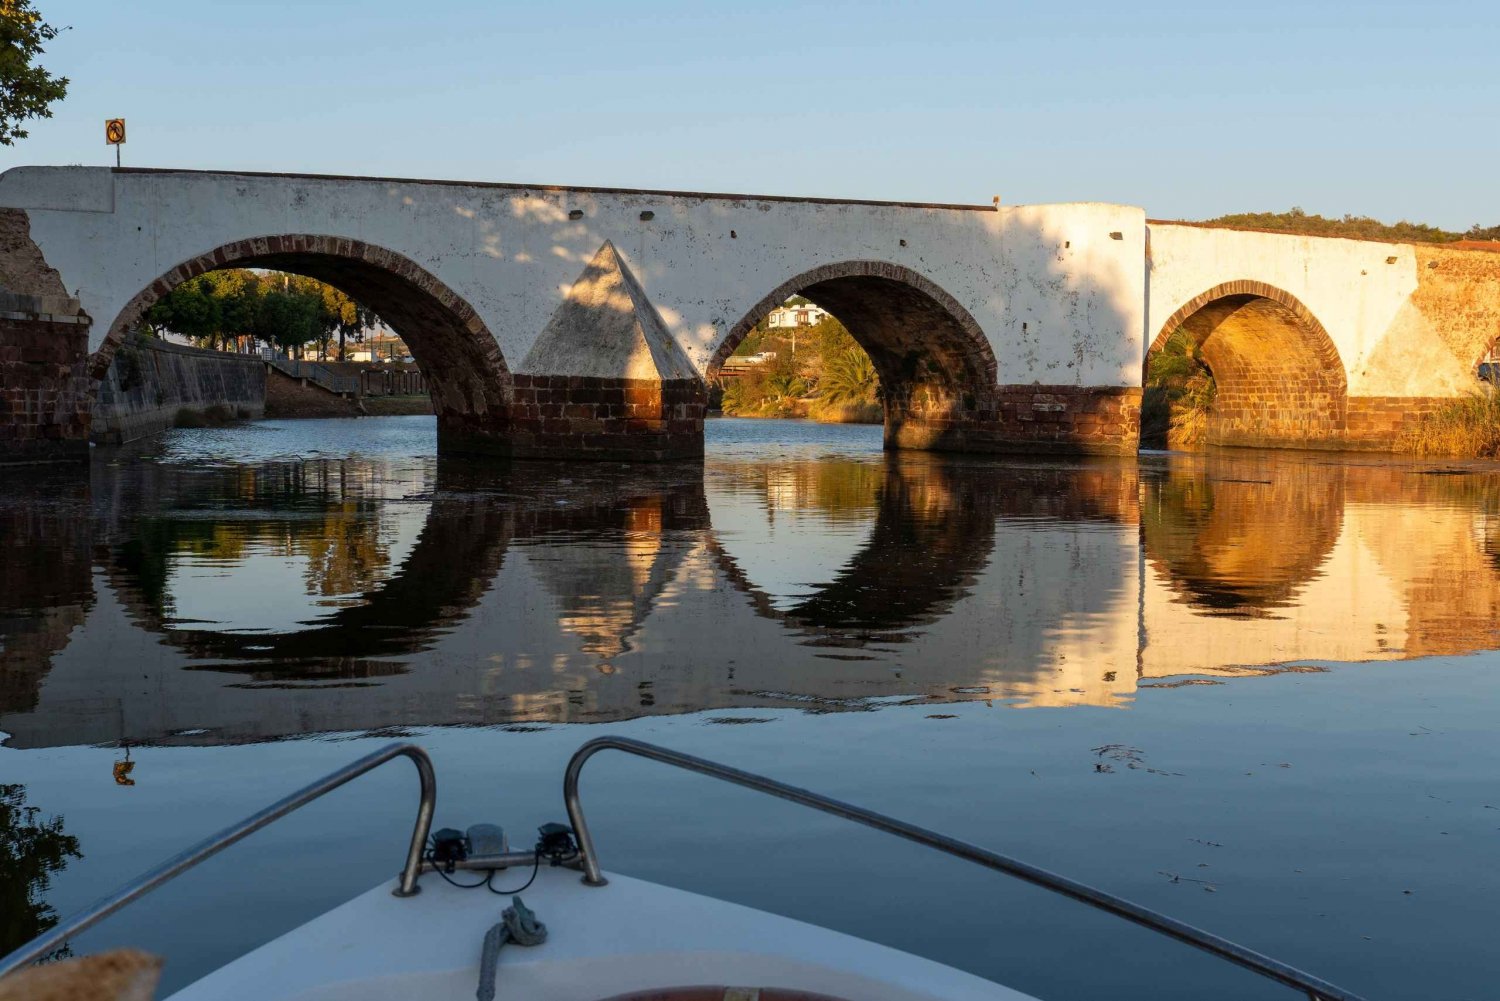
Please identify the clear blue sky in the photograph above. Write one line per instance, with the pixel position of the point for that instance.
(1189, 109)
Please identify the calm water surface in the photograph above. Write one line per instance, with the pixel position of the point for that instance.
(1254, 691)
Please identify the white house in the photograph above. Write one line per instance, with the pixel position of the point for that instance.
(804, 315)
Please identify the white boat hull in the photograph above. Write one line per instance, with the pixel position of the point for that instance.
(602, 941)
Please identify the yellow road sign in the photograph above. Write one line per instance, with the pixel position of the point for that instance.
(114, 131)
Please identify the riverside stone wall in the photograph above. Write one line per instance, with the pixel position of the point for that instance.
(151, 384)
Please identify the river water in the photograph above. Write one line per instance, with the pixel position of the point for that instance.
(1255, 691)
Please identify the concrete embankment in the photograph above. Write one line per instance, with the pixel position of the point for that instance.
(379, 390)
(152, 385)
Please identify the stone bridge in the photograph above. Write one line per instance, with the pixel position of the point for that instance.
(557, 322)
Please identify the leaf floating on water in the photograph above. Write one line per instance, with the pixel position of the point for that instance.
(1131, 757)
(1173, 877)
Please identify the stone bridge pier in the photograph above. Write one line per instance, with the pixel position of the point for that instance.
(584, 323)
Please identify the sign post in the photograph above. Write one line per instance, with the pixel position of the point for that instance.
(114, 135)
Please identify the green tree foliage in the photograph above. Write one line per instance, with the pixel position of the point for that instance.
(1179, 394)
(287, 319)
(288, 311)
(785, 384)
(849, 377)
(1350, 226)
(833, 339)
(31, 850)
(26, 89)
(192, 310)
(823, 357)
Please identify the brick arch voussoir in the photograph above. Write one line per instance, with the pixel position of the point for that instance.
(306, 244)
(1321, 342)
(976, 347)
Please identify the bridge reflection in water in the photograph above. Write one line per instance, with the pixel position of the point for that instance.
(173, 604)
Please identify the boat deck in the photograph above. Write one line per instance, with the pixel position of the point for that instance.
(629, 936)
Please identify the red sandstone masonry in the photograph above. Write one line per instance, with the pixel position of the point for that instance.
(1054, 419)
(586, 417)
(44, 405)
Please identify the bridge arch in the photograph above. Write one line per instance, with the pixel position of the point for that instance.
(1279, 379)
(936, 367)
(467, 377)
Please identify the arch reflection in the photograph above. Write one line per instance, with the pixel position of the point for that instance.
(1259, 561)
(930, 535)
(1239, 535)
(411, 592)
(365, 612)
(932, 523)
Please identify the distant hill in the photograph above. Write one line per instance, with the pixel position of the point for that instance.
(1350, 226)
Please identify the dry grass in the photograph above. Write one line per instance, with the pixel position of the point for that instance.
(861, 412)
(1468, 427)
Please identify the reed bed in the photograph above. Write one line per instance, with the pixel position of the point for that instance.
(1467, 427)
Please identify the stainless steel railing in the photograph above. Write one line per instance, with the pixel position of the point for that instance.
(212, 845)
(1313, 987)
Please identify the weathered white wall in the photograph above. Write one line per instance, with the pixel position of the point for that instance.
(1347, 284)
(1060, 300)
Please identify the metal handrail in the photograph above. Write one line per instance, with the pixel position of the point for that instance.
(1315, 988)
(212, 845)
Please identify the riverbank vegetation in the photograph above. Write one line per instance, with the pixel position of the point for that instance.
(1178, 396)
(1353, 227)
(1467, 427)
(817, 371)
(237, 309)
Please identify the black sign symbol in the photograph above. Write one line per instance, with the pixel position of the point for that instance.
(114, 131)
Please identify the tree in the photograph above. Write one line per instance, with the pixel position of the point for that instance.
(1298, 221)
(288, 311)
(1356, 227)
(337, 314)
(191, 309)
(1179, 393)
(287, 319)
(849, 377)
(238, 293)
(26, 90)
(833, 339)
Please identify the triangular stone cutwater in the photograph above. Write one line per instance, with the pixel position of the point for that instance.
(607, 328)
